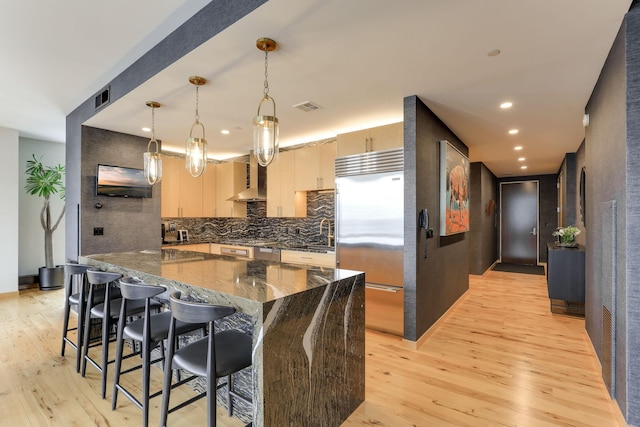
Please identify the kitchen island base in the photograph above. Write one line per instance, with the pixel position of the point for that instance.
(307, 326)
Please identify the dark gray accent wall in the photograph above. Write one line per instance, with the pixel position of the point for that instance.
(568, 174)
(483, 237)
(547, 208)
(129, 224)
(612, 159)
(632, 230)
(580, 216)
(209, 21)
(433, 284)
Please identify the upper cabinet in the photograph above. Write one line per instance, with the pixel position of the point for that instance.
(314, 167)
(374, 139)
(184, 196)
(282, 199)
(181, 194)
(209, 191)
(231, 178)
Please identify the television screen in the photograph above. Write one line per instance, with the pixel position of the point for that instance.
(117, 181)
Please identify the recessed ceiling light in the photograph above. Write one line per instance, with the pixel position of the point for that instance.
(513, 131)
(225, 131)
(506, 105)
(146, 129)
(494, 52)
(523, 167)
(518, 147)
(521, 159)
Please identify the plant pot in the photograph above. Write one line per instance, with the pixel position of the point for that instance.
(51, 278)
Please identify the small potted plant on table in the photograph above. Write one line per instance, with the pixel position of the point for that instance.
(46, 181)
(567, 236)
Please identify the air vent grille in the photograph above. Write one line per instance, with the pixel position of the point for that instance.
(307, 106)
(607, 348)
(102, 98)
(372, 162)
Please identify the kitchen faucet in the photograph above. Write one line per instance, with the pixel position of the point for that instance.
(329, 235)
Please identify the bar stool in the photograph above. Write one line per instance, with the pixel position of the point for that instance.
(150, 332)
(220, 354)
(108, 312)
(74, 273)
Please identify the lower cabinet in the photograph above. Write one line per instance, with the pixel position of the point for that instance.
(195, 247)
(321, 259)
(566, 273)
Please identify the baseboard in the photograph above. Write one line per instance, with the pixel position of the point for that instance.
(30, 281)
(9, 295)
(415, 345)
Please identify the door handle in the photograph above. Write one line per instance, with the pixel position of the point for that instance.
(533, 231)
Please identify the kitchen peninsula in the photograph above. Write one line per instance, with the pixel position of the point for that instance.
(307, 324)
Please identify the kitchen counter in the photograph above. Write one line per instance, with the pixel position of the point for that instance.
(294, 246)
(307, 324)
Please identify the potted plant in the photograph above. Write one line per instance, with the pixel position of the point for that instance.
(46, 181)
(567, 236)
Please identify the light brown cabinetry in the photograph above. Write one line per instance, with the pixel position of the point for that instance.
(195, 247)
(374, 139)
(231, 178)
(321, 259)
(181, 193)
(282, 199)
(314, 167)
(209, 191)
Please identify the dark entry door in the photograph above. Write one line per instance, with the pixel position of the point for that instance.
(519, 222)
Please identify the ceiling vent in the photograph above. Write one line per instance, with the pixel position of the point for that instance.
(307, 106)
(102, 98)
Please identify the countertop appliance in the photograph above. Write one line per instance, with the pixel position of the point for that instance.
(169, 232)
(370, 231)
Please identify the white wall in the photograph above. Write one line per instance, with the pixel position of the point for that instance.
(9, 210)
(31, 247)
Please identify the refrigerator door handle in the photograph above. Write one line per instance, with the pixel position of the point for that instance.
(394, 290)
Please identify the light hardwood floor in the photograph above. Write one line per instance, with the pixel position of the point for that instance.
(500, 358)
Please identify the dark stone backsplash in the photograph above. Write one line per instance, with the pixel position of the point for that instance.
(320, 204)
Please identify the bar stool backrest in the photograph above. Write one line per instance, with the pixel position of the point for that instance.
(97, 277)
(70, 269)
(135, 289)
(197, 312)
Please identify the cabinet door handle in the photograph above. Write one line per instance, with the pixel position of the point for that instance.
(533, 231)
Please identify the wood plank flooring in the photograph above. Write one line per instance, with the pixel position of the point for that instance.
(500, 358)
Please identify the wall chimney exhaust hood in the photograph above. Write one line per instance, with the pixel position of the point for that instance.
(257, 191)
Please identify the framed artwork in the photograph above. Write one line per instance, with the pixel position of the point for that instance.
(454, 190)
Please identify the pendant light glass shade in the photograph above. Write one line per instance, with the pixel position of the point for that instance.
(152, 160)
(266, 142)
(266, 131)
(196, 154)
(196, 150)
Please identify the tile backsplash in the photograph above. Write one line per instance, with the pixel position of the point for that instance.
(257, 225)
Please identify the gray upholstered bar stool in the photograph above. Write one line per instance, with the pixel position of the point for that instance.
(75, 274)
(220, 354)
(149, 331)
(108, 312)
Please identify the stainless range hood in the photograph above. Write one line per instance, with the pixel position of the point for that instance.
(257, 191)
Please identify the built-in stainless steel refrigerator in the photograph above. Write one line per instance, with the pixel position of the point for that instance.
(370, 231)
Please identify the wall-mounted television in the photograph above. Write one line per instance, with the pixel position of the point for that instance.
(118, 181)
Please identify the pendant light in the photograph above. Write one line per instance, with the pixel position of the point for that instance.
(152, 160)
(196, 152)
(265, 128)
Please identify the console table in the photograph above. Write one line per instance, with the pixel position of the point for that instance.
(566, 277)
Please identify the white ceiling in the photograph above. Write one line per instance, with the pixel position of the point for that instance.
(356, 59)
